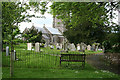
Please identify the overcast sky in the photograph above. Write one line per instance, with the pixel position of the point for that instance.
(39, 22)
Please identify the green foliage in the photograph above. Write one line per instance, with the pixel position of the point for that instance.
(88, 22)
(14, 13)
(32, 35)
(112, 44)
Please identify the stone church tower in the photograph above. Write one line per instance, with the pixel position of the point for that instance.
(57, 23)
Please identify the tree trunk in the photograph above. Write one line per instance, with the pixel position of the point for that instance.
(11, 61)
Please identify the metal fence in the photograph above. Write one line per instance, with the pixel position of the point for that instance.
(32, 59)
(24, 58)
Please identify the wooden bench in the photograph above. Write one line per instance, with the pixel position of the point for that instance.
(73, 58)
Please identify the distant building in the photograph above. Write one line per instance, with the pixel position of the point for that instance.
(49, 34)
(57, 23)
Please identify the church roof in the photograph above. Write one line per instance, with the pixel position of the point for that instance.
(53, 31)
(45, 37)
(42, 30)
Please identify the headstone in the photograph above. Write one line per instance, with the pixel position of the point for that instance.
(100, 49)
(66, 47)
(37, 47)
(78, 47)
(40, 44)
(45, 45)
(14, 56)
(93, 47)
(103, 48)
(96, 48)
(88, 47)
(60, 46)
(32, 49)
(7, 50)
(72, 47)
(51, 47)
(57, 46)
(29, 46)
(83, 47)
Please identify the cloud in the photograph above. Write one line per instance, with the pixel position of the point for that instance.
(37, 21)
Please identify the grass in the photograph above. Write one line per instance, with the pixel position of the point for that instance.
(71, 71)
(44, 65)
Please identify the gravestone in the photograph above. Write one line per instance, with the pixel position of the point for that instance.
(96, 49)
(72, 47)
(66, 47)
(61, 45)
(37, 47)
(88, 47)
(14, 55)
(51, 47)
(45, 45)
(83, 47)
(78, 47)
(29, 46)
(7, 50)
(93, 48)
(57, 46)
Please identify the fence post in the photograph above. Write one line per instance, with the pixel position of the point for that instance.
(11, 61)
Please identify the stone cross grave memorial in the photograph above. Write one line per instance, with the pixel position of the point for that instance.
(37, 47)
(88, 47)
(29, 46)
(7, 50)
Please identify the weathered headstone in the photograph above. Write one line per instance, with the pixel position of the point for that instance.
(88, 47)
(78, 47)
(72, 47)
(51, 47)
(57, 46)
(45, 45)
(37, 47)
(29, 46)
(61, 45)
(96, 49)
(7, 50)
(83, 47)
(93, 48)
(14, 56)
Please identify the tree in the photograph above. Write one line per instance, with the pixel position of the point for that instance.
(16, 12)
(32, 35)
(12, 14)
(85, 22)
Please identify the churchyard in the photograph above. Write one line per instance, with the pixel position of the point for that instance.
(44, 62)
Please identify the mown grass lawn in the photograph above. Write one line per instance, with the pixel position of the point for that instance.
(39, 65)
(63, 72)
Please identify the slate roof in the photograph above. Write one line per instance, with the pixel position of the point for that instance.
(42, 30)
(45, 37)
(53, 31)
